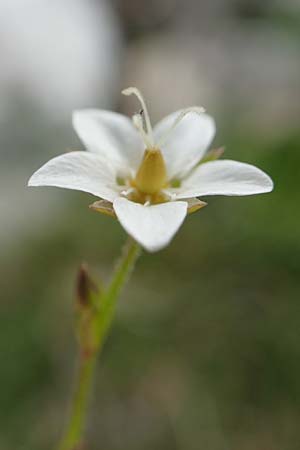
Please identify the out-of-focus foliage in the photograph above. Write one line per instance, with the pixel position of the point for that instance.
(205, 351)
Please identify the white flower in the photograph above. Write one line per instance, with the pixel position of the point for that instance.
(149, 178)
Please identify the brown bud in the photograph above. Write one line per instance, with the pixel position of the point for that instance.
(85, 286)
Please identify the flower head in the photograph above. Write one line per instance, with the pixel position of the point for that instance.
(149, 178)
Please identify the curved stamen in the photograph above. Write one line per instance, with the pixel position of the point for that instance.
(138, 123)
(195, 109)
(137, 93)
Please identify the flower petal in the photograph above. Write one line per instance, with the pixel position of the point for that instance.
(80, 171)
(187, 143)
(152, 226)
(111, 135)
(225, 177)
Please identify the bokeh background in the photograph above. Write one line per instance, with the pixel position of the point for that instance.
(205, 350)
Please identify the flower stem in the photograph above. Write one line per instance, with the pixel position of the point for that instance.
(99, 327)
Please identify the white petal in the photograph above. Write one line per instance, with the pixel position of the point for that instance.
(81, 171)
(111, 135)
(152, 226)
(225, 177)
(187, 143)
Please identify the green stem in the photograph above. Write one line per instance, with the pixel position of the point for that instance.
(100, 326)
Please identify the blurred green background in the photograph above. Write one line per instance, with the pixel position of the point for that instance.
(205, 350)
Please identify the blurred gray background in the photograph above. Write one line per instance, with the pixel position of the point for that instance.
(205, 351)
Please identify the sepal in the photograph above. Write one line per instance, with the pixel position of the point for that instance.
(194, 204)
(104, 207)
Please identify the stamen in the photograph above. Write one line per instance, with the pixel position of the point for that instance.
(195, 109)
(137, 93)
(138, 123)
(170, 195)
(127, 192)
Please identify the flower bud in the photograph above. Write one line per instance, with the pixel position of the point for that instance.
(85, 287)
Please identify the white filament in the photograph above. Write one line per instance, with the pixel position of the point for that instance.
(195, 109)
(138, 123)
(170, 195)
(126, 192)
(137, 93)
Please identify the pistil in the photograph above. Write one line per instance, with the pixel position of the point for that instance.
(151, 176)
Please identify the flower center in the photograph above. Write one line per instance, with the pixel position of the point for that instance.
(151, 176)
